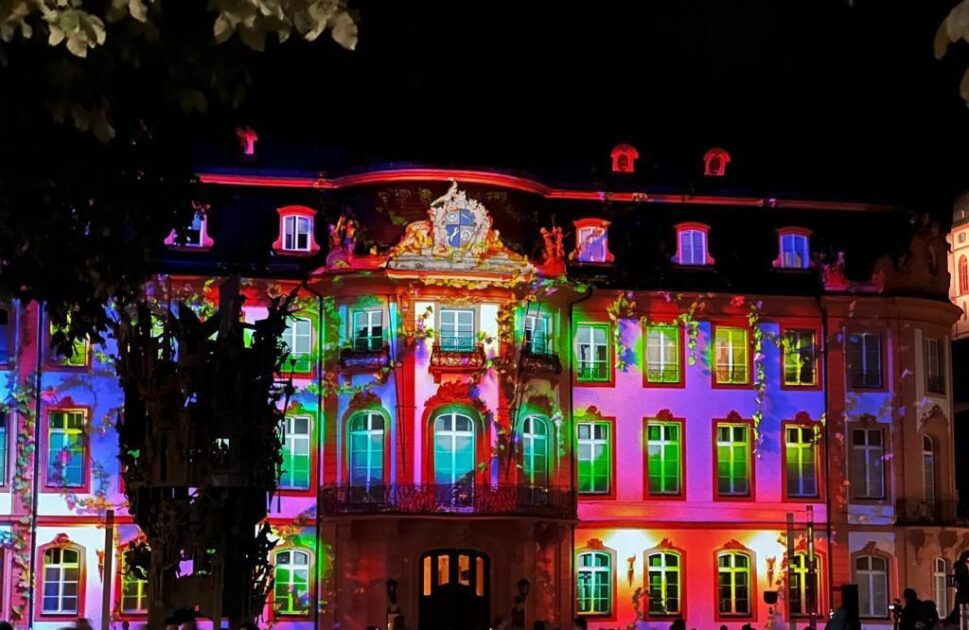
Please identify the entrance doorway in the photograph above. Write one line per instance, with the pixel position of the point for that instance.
(454, 590)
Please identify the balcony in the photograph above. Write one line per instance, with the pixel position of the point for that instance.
(407, 499)
(369, 355)
(540, 363)
(929, 513)
(450, 356)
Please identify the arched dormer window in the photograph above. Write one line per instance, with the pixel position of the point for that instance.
(715, 162)
(793, 248)
(592, 241)
(624, 158)
(692, 245)
(296, 231)
(62, 578)
(195, 235)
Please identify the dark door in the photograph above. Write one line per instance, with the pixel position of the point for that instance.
(454, 590)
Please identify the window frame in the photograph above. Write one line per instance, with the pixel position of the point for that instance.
(818, 578)
(818, 472)
(938, 387)
(62, 542)
(963, 275)
(714, 368)
(310, 458)
(690, 226)
(120, 584)
(874, 553)
(8, 424)
(610, 423)
(529, 344)
(609, 615)
(476, 438)
(48, 485)
(680, 352)
(609, 380)
(548, 459)
(369, 326)
(274, 613)
(850, 431)
(279, 245)
(384, 456)
(590, 223)
(736, 549)
(8, 334)
(457, 328)
(665, 418)
(817, 351)
(929, 468)
(943, 601)
(665, 548)
(796, 234)
(734, 420)
(883, 360)
(55, 361)
(291, 363)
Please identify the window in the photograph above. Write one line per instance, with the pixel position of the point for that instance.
(963, 275)
(291, 590)
(296, 232)
(366, 429)
(663, 457)
(537, 339)
(457, 330)
(453, 449)
(804, 585)
(664, 583)
(731, 349)
(592, 241)
(4, 446)
(733, 460)
(593, 363)
(715, 162)
(802, 465)
(871, 576)
(134, 593)
(928, 468)
(594, 583)
(865, 360)
(663, 353)
(691, 245)
(535, 450)
(940, 587)
(66, 448)
(733, 581)
(934, 370)
(799, 358)
(298, 338)
(368, 330)
(295, 473)
(6, 334)
(624, 158)
(62, 581)
(594, 457)
(795, 250)
(81, 348)
(867, 475)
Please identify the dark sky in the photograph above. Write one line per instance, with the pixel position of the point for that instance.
(809, 96)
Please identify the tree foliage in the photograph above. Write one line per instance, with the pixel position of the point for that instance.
(953, 28)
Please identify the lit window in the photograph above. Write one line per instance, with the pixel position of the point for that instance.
(593, 352)
(457, 330)
(594, 457)
(6, 334)
(799, 358)
(454, 442)
(663, 578)
(366, 429)
(592, 241)
(61, 581)
(295, 472)
(663, 454)
(928, 468)
(195, 234)
(871, 576)
(934, 370)
(4, 446)
(733, 460)
(535, 451)
(802, 465)
(296, 231)
(537, 340)
(734, 581)
(66, 448)
(963, 274)
(291, 589)
(795, 250)
(134, 593)
(368, 330)
(691, 245)
(731, 349)
(864, 358)
(80, 351)
(867, 474)
(663, 353)
(594, 583)
(804, 585)
(298, 338)
(940, 587)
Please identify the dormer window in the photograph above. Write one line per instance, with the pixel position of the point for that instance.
(592, 241)
(195, 235)
(794, 248)
(691, 245)
(296, 231)
(715, 162)
(624, 158)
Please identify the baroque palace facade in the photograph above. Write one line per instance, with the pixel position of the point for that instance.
(518, 399)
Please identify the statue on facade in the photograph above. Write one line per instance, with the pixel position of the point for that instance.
(833, 274)
(343, 242)
(553, 255)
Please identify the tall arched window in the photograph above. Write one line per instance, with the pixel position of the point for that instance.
(366, 437)
(734, 580)
(453, 449)
(291, 589)
(928, 468)
(871, 576)
(804, 585)
(61, 580)
(963, 275)
(594, 583)
(940, 587)
(535, 450)
(664, 582)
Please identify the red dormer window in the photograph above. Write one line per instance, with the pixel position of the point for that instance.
(296, 231)
(691, 245)
(715, 162)
(793, 248)
(592, 241)
(624, 158)
(196, 234)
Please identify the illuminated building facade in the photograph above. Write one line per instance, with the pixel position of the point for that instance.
(517, 399)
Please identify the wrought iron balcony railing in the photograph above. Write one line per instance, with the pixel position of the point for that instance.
(922, 512)
(536, 363)
(366, 359)
(464, 498)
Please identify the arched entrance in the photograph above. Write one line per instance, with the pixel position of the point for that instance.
(454, 590)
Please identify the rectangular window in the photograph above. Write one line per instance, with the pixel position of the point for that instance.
(4, 446)
(594, 583)
(731, 349)
(368, 330)
(6, 334)
(79, 356)
(66, 448)
(934, 370)
(799, 358)
(457, 330)
(663, 456)
(663, 353)
(734, 582)
(802, 467)
(537, 334)
(867, 474)
(794, 251)
(296, 233)
(134, 594)
(864, 355)
(295, 473)
(593, 352)
(298, 338)
(733, 460)
(594, 457)
(693, 247)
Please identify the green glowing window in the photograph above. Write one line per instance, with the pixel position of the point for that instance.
(537, 334)
(535, 450)
(298, 338)
(733, 581)
(291, 590)
(366, 429)
(79, 356)
(453, 449)
(593, 352)
(731, 350)
(457, 330)
(594, 457)
(295, 474)
(594, 583)
(804, 585)
(663, 452)
(66, 448)
(799, 359)
(134, 594)
(368, 330)
(802, 467)
(733, 460)
(663, 353)
(61, 578)
(663, 577)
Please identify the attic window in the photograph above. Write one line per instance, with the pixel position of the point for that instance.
(592, 241)
(624, 158)
(715, 162)
(195, 235)
(691, 245)
(296, 231)
(794, 248)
